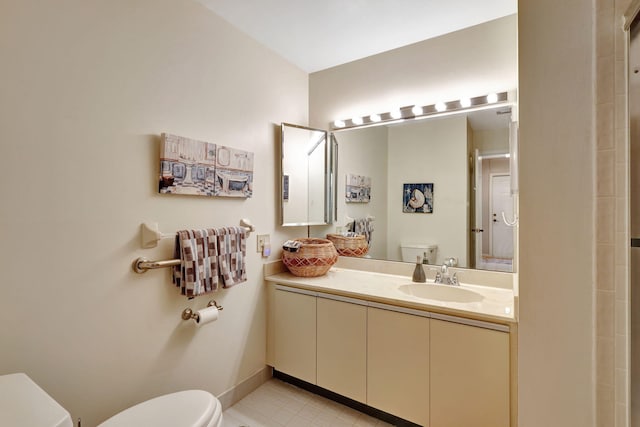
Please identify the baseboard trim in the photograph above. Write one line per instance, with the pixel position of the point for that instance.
(376, 413)
(241, 390)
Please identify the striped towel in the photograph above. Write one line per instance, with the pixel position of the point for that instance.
(197, 273)
(232, 249)
(364, 226)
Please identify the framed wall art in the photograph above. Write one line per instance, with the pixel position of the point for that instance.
(199, 168)
(417, 198)
(234, 172)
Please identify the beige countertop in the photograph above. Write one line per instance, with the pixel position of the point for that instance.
(495, 304)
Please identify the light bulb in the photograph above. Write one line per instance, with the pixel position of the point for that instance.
(416, 110)
(465, 102)
(396, 114)
(492, 98)
(339, 123)
(357, 121)
(375, 117)
(441, 106)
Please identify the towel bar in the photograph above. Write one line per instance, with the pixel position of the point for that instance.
(150, 235)
(349, 219)
(142, 264)
(150, 238)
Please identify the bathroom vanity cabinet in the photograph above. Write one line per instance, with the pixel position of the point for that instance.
(342, 348)
(398, 364)
(294, 318)
(431, 369)
(469, 375)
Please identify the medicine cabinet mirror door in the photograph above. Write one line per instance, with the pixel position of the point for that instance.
(305, 176)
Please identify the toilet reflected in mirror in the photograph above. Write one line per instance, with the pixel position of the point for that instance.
(426, 252)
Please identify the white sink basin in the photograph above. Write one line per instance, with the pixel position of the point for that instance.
(441, 292)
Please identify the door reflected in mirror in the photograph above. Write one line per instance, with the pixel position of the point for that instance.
(492, 233)
(466, 158)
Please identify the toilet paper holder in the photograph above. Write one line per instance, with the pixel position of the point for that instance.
(188, 314)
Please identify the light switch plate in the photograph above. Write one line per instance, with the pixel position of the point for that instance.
(261, 241)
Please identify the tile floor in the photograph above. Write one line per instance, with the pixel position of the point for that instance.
(276, 403)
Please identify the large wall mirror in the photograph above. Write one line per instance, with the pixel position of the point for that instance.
(305, 176)
(447, 182)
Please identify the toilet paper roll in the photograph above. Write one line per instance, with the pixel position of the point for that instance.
(207, 315)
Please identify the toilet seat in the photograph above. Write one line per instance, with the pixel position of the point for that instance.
(191, 408)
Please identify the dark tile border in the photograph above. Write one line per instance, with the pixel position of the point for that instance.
(376, 413)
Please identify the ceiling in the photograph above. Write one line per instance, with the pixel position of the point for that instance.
(320, 34)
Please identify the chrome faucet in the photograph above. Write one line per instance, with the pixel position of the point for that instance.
(443, 276)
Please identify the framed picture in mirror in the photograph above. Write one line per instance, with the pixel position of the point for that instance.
(417, 198)
(357, 189)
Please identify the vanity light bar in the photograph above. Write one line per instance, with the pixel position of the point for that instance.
(418, 112)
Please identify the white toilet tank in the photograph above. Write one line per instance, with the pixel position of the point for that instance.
(410, 251)
(24, 404)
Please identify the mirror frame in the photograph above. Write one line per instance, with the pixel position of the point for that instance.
(328, 177)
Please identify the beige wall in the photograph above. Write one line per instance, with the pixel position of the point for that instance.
(491, 141)
(612, 215)
(634, 204)
(364, 152)
(87, 87)
(430, 151)
(556, 102)
(471, 62)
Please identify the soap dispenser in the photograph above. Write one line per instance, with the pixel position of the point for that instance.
(418, 273)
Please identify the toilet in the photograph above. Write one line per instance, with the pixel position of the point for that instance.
(19, 395)
(410, 251)
(190, 408)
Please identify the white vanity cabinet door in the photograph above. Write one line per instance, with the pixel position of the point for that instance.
(398, 364)
(469, 368)
(294, 334)
(342, 347)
